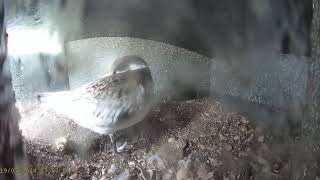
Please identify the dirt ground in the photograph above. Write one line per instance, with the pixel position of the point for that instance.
(195, 139)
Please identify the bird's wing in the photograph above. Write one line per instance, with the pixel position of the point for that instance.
(103, 106)
(106, 86)
(117, 99)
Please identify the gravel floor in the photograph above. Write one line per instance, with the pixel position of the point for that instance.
(196, 139)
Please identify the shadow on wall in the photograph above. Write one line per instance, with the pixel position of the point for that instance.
(211, 27)
(175, 70)
(245, 36)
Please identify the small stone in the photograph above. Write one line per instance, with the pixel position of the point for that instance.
(242, 154)
(243, 128)
(180, 143)
(103, 178)
(181, 163)
(206, 114)
(222, 137)
(227, 147)
(317, 178)
(250, 138)
(276, 171)
(226, 178)
(244, 120)
(254, 166)
(266, 170)
(189, 163)
(182, 174)
(213, 162)
(261, 160)
(276, 167)
(236, 138)
(94, 178)
(131, 164)
(259, 130)
(260, 139)
(74, 176)
(156, 162)
(202, 172)
(171, 140)
(232, 176)
(104, 171)
(61, 144)
(112, 169)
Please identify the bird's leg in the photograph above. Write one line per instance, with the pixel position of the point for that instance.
(119, 149)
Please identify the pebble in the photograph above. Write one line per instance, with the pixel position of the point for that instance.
(254, 166)
(317, 178)
(131, 164)
(182, 174)
(202, 172)
(227, 147)
(232, 176)
(168, 174)
(171, 140)
(226, 178)
(259, 130)
(222, 137)
(276, 168)
(157, 162)
(261, 160)
(61, 144)
(276, 171)
(243, 128)
(94, 178)
(103, 178)
(244, 120)
(236, 138)
(112, 169)
(74, 176)
(260, 139)
(250, 138)
(266, 170)
(214, 162)
(181, 163)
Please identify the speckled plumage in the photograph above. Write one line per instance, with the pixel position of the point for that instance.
(107, 104)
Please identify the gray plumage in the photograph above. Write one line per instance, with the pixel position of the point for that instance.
(110, 103)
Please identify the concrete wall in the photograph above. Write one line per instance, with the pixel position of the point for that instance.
(173, 68)
(220, 29)
(281, 85)
(280, 81)
(37, 31)
(36, 73)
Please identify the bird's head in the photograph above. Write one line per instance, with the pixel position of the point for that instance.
(136, 71)
(127, 63)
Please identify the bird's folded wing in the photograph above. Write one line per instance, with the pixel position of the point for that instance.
(106, 86)
(116, 101)
(113, 111)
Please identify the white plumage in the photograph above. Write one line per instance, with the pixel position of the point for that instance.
(110, 103)
(117, 105)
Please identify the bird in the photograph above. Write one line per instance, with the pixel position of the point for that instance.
(110, 103)
(125, 63)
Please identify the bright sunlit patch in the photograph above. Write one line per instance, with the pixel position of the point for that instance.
(136, 66)
(133, 67)
(33, 41)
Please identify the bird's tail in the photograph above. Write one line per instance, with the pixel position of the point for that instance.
(54, 100)
(42, 97)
